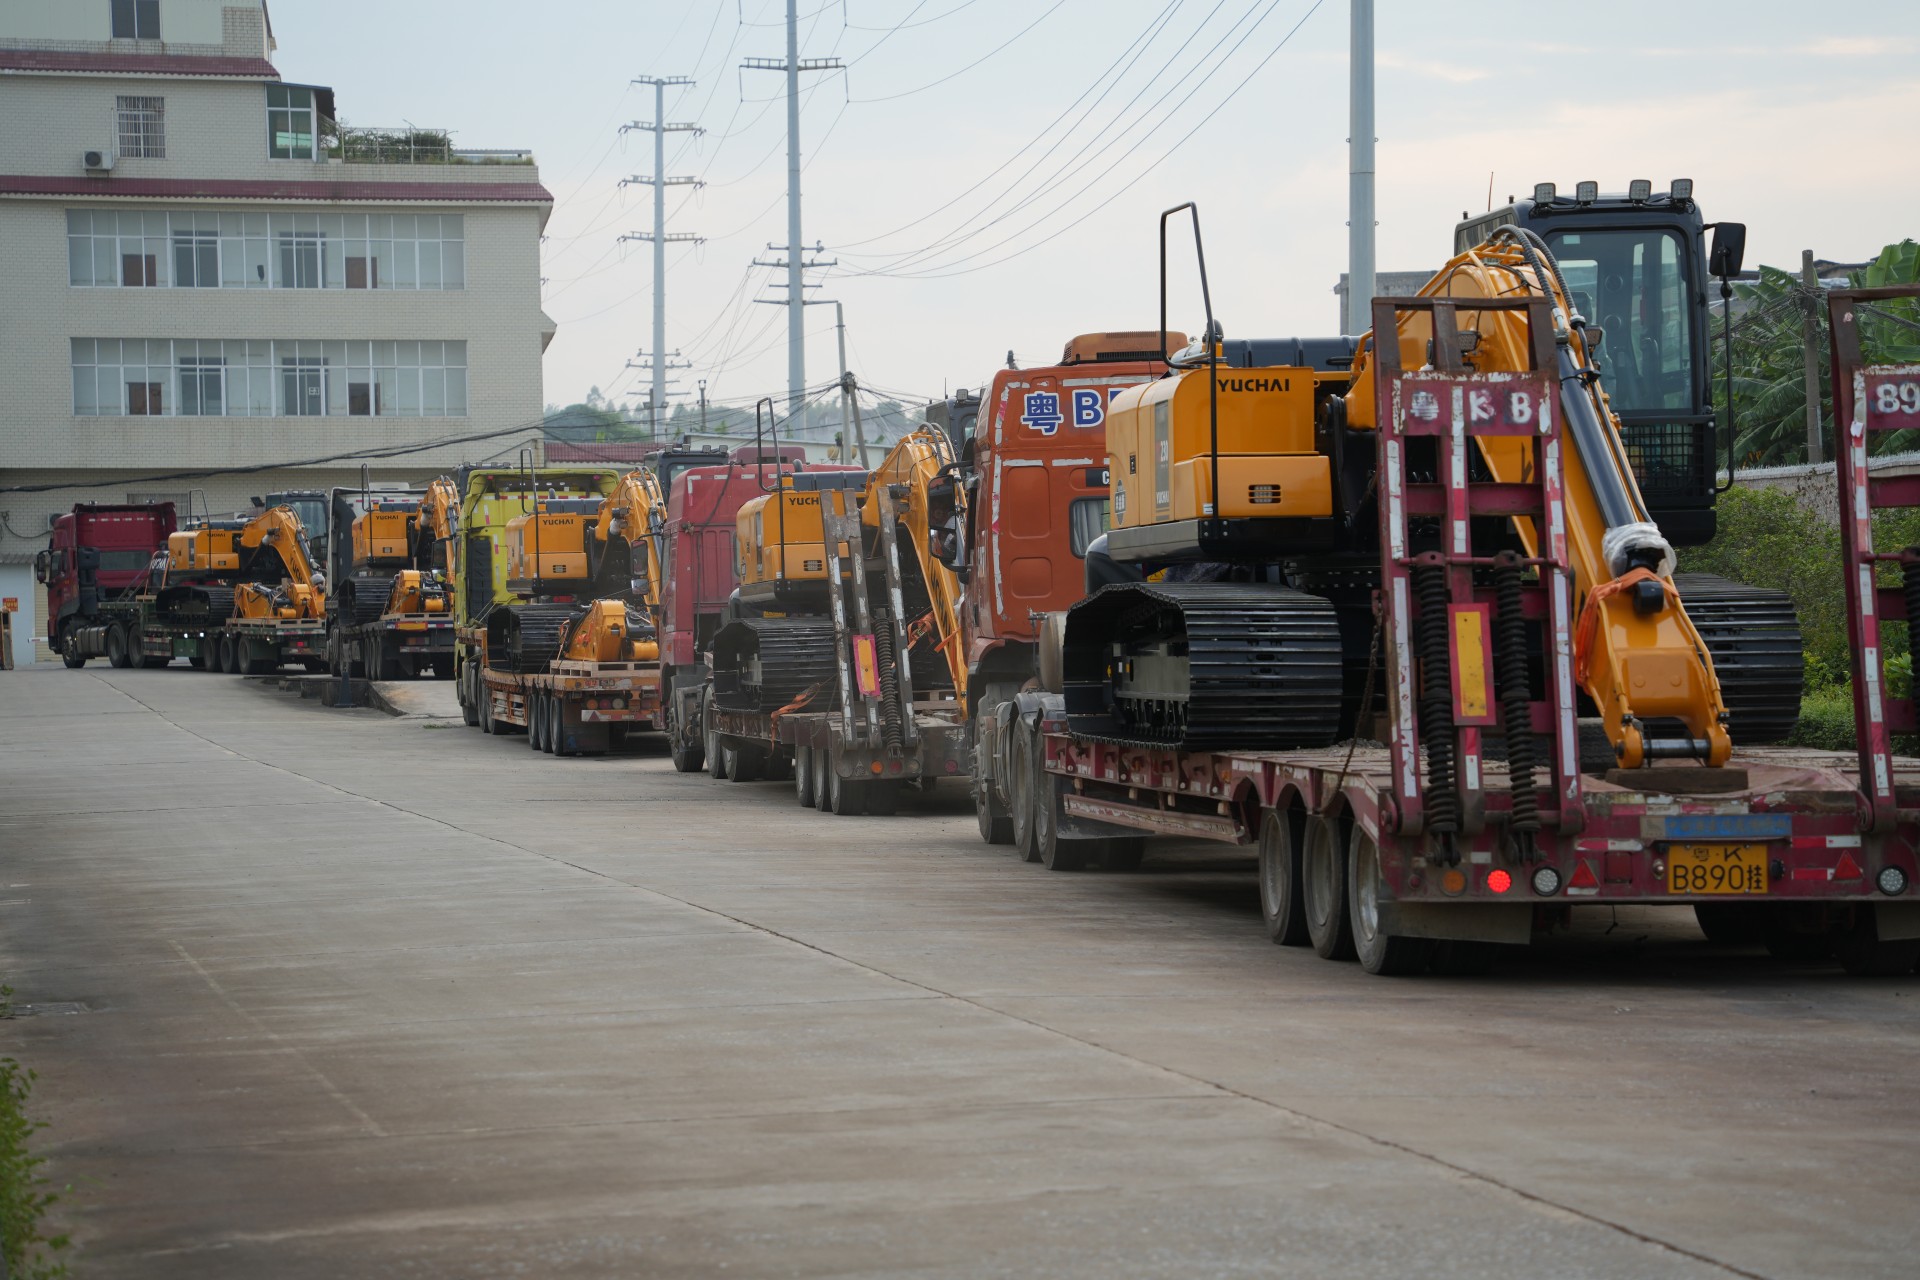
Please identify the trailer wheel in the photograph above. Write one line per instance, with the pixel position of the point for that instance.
(1863, 955)
(688, 751)
(745, 763)
(557, 727)
(1020, 792)
(823, 781)
(803, 775)
(845, 796)
(225, 654)
(1323, 890)
(1281, 902)
(1382, 953)
(536, 723)
(1056, 852)
(463, 689)
(385, 660)
(117, 647)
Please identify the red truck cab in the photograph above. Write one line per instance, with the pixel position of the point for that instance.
(96, 553)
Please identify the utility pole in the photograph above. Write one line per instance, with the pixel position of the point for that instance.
(792, 66)
(703, 406)
(1810, 340)
(660, 182)
(1360, 225)
(849, 410)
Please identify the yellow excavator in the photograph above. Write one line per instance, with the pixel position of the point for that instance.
(255, 568)
(625, 565)
(422, 586)
(1244, 495)
(548, 558)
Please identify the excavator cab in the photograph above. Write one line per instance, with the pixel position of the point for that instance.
(1637, 270)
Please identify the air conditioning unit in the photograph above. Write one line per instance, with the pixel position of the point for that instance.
(97, 161)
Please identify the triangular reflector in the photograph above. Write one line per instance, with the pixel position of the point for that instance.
(1583, 877)
(1847, 868)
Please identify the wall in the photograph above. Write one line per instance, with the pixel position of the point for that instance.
(74, 23)
(17, 580)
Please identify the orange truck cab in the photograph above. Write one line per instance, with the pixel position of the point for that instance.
(1035, 471)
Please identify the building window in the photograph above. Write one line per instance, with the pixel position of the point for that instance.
(230, 249)
(303, 386)
(143, 127)
(300, 260)
(202, 386)
(136, 20)
(290, 123)
(196, 259)
(238, 378)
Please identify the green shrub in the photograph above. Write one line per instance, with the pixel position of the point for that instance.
(25, 1194)
(1826, 719)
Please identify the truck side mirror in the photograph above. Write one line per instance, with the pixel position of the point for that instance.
(40, 568)
(1728, 251)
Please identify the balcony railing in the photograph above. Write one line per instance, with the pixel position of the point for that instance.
(355, 144)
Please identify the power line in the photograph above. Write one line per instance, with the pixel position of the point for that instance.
(971, 65)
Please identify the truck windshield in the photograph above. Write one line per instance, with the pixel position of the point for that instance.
(1633, 284)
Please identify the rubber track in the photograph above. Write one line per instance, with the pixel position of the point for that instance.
(1753, 636)
(1264, 662)
(795, 654)
(370, 592)
(197, 602)
(534, 635)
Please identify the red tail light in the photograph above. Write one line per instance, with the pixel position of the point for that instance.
(1499, 880)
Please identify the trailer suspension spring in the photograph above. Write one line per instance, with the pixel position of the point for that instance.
(890, 729)
(1436, 707)
(1510, 664)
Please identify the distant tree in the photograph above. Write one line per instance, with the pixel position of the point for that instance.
(585, 422)
(1768, 357)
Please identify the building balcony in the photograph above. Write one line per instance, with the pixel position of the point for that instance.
(358, 144)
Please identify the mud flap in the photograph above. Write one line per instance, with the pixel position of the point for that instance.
(1459, 921)
(1896, 921)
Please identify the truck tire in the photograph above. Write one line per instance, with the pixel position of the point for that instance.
(745, 763)
(537, 723)
(557, 728)
(442, 664)
(1020, 792)
(70, 652)
(469, 705)
(845, 797)
(803, 775)
(823, 781)
(688, 750)
(1381, 953)
(1323, 889)
(227, 661)
(199, 658)
(716, 759)
(1280, 900)
(385, 660)
(117, 647)
(1057, 853)
(995, 823)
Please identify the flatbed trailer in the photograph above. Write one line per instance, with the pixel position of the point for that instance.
(400, 645)
(573, 708)
(835, 767)
(131, 632)
(1791, 835)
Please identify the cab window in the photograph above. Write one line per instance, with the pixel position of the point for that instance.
(1088, 518)
(1633, 285)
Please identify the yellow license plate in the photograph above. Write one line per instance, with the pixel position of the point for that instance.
(1717, 868)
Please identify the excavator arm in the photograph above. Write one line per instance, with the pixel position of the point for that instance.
(907, 474)
(631, 527)
(296, 591)
(1638, 656)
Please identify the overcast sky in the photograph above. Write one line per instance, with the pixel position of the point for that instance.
(956, 245)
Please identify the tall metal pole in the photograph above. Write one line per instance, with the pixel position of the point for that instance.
(849, 413)
(1811, 353)
(658, 396)
(796, 288)
(1360, 266)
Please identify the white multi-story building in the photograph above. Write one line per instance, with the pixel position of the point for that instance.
(205, 270)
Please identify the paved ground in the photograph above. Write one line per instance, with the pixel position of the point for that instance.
(368, 996)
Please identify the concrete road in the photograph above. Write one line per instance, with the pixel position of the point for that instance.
(329, 994)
